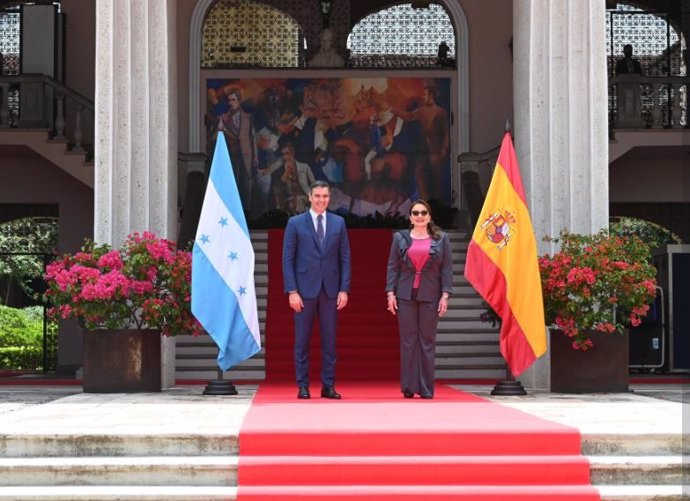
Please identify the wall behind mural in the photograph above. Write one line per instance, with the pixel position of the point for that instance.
(380, 142)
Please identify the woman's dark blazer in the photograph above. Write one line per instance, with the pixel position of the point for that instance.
(437, 274)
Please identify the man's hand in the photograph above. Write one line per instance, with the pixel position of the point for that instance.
(296, 301)
(342, 300)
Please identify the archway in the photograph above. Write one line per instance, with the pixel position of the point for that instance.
(462, 67)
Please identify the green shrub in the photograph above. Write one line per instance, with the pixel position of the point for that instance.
(21, 357)
(21, 338)
(15, 330)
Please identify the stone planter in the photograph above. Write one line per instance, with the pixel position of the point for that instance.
(122, 361)
(601, 369)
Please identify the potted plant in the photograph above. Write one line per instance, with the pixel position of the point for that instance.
(594, 288)
(124, 299)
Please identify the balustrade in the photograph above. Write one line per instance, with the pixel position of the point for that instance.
(50, 113)
(652, 102)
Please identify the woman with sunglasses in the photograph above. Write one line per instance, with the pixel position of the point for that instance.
(419, 282)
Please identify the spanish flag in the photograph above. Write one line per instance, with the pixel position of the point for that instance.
(502, 264)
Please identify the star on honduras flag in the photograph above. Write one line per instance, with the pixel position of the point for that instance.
(223, 294)
(502, 264)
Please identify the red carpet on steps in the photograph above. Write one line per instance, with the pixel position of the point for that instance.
(375, 445)
(368, 346)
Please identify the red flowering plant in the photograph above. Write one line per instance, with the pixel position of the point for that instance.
(144, 285)
(596, 282)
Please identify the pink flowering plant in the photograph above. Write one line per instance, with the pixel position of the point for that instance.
(596, 282)
(144, 285)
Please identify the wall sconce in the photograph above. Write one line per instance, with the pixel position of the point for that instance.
(325, 9)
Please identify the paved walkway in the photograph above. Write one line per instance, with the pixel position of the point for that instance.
(184, 409)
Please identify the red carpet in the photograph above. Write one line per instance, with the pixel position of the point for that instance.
(376, 445)
(367, 334)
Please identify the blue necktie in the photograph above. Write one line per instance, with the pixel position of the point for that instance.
(320, 235)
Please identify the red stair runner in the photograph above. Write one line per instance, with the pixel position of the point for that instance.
(368, 346)
(375, 445)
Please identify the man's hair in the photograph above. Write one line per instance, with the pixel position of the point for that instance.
(236, 92)
(319, 184)
(432, 91)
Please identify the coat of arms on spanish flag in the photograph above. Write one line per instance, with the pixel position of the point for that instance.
(502, 264)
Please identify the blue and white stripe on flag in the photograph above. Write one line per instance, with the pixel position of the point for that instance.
(223, 294)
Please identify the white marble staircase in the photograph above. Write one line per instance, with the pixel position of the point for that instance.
(467, 347)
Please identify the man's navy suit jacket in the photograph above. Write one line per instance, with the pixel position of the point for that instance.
(306, 266)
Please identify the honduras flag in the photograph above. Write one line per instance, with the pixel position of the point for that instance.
(223, 295)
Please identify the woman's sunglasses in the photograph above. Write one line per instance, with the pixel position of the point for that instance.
(420, 212)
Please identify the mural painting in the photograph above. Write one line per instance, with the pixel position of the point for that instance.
(380, 142)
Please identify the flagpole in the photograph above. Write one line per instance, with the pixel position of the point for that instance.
(220, 386)
(509, 386)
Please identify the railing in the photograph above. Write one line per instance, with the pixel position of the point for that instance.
(641, 102)
(39, 101)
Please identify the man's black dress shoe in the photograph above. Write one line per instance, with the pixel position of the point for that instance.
(328, 391)
(426, 396)
(303, 392)
(408, 394)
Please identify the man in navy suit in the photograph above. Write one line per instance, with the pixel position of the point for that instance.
(316, 271)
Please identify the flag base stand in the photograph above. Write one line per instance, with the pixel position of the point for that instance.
(220, 387)
(507, 388)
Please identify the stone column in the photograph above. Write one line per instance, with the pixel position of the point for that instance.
(561, 130)
(136, 127)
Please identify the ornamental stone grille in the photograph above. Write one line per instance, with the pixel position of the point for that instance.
(402, 36)
(659, 49)
(10, 22)
(244, 34)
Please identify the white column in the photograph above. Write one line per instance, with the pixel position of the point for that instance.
(561, 129)
(136, 127)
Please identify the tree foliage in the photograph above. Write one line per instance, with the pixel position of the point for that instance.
(23, 245)
(654, 235)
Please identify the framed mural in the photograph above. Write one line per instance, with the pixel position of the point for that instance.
(380, 142)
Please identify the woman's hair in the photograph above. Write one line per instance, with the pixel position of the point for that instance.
(433, 230)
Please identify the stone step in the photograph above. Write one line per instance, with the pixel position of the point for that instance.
(193, 493)
(643, 492)
(459, 324)
(467, 348)
(209, 360)
(650, 444)
(130, 471)
(628, 470)
(462, 314)
(118, 493)
(200, 351)
(461, 372)
(116, 445)
(450, 335)
(468, 360)
(210, 373)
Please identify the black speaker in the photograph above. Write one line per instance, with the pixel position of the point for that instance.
(673, 275)
(647, 340)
